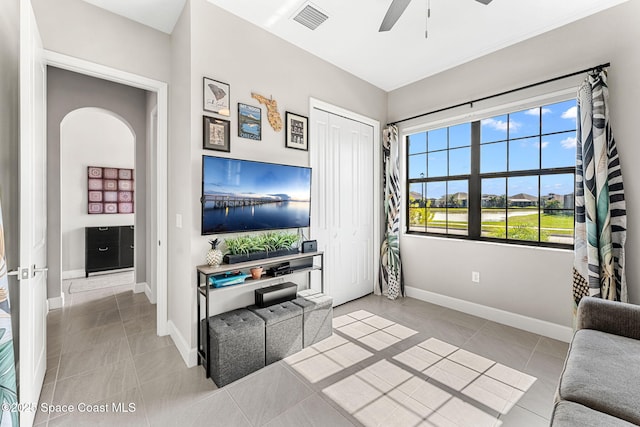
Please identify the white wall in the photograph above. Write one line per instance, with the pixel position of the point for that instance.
(88, 137)
(82, 30)
(529, 281)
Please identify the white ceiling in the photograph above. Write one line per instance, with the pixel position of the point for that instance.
(159, 14)
(459, 30)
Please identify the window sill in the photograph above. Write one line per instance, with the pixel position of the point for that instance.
(483, 242)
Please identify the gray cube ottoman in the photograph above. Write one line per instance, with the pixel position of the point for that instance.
(237, 345)
(283, 330)
(317, 317)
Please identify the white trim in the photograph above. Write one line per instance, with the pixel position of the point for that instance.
(315, 103)
(73, 274)
(161, 88)
(537, 326)
(139, 288)
(448, 118)
(189, 355)
(55, 303)
(149, 293)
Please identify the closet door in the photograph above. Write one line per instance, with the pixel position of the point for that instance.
(343, 204)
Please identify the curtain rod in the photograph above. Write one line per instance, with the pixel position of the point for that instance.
(470, 103)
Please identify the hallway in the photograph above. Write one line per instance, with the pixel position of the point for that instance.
(103, 351)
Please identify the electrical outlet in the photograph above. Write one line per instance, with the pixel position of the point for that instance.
(475, 276)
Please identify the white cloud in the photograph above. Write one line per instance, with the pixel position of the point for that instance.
(536, 111)
(569, 143)
(501, 125)
(571, 113)
(544, 144)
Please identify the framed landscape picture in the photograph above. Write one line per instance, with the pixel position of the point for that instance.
(216, 134)
(216, 96)
(297, 131)
(249, 122)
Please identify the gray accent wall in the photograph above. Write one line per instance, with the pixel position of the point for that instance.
(9, 146)
(68, 91)
(214, 43)
(534, 282)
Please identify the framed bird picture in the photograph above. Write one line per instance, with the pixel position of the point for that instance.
(216, 97)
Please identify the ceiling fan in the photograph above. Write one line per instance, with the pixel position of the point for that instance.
(397, 8)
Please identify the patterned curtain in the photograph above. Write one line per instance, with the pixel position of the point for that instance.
(8, 395)
(390, 282)
(601, 218)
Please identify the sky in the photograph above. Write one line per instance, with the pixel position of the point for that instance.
(252, 179)
(551, 127)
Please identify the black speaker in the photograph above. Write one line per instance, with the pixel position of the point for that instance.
(275, 294)
(309, 246)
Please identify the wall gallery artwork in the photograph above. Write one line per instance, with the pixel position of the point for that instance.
(216, 97)
(249, 122)
(216, 134)
(110, 190)
(297, 134)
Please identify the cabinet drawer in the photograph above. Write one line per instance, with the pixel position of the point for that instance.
(100, 237)
(102, 258)
(126, 256)
(126, 236)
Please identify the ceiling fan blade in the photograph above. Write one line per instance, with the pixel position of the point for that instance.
(485, 2)
(393, 14)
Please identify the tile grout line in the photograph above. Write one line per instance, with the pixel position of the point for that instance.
(135, 368)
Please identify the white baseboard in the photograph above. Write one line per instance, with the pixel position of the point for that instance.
(138, 288)
(149, 293)
(537, 326)
(189, 355)
(73, 274)
(55, 303)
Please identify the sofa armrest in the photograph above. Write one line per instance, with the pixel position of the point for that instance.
(613, 317)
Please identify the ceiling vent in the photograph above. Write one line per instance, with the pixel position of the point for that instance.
(310, 16)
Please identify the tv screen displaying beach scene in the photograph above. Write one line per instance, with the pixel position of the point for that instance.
(243, 195)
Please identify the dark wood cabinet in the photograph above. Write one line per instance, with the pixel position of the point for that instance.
(126, 246)
(108, 248)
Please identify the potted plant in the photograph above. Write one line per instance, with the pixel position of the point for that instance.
(254, 247)
(214, 255)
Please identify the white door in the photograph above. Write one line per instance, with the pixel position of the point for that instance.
(33, 219)
(343, 203)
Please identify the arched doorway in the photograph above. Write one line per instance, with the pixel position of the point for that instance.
(90, 137)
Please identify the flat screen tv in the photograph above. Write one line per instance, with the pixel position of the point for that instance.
(243, 195)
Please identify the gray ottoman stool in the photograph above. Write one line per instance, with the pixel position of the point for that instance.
(237, 345)
(317, 315)
(283, 329)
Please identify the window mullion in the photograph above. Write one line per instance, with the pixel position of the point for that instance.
(475, 190)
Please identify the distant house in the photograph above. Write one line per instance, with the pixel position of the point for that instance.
(523, 200)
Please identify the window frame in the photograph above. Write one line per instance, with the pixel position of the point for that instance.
(475, 177)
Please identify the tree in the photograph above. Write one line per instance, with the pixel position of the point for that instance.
(550, 207)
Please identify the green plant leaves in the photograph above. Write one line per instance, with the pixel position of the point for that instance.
(272, 241)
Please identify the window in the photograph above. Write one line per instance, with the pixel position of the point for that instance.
(508, 178)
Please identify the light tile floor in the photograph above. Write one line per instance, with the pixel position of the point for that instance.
(388, 363)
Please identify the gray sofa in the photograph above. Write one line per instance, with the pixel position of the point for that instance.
(600, 382)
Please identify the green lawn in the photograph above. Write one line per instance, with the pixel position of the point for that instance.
(561, 225)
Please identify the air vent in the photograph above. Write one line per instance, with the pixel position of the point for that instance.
(310, 16)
